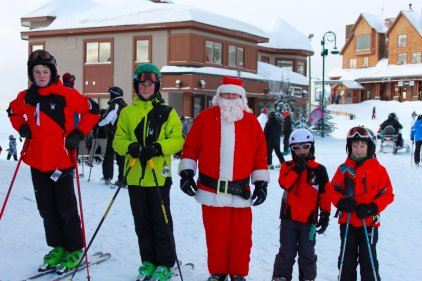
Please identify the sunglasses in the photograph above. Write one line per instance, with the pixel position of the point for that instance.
(144, 76)
(360, 131)
(298, 147)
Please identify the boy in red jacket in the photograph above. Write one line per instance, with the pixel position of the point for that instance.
(362, 189)
(305, 183)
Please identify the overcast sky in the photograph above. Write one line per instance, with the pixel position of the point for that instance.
(308, 16)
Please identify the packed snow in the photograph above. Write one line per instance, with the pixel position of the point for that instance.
(22, 240)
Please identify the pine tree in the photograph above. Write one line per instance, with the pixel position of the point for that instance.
(329, 127)
(282, 104)
(302, 120)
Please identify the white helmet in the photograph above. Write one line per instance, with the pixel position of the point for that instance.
(301, 135)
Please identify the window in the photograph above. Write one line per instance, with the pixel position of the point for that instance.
(416, 57)
(213, 51)
(365, 61)
(368, 94)
(401, 40)
(41, 47)
(98, 52)
(404, 93)
(265, 59)
(348, 94)
(301, 68)
(352, 63)
(355, 94)
(288, 65)
(235, 56)
(402, 58)
(362, 42)
(341, 93)
(142, 50)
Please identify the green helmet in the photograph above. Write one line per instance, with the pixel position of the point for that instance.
(145, 72)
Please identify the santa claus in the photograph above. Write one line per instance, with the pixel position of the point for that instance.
(228, 146)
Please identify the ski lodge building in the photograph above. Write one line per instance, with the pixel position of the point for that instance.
(102, 44)
(381, 59)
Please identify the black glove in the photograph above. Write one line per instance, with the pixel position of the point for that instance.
(134, 150)
(324, 218)
(364, 210)
(260, 192)
(73, 139)
(148, 152)
(300, 166)
(187, 183)
(25, 131)
(347, 205)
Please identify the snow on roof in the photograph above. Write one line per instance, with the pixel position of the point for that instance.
(87, 14)
(265, 72)
(284, 36)
(376, 22)
(352, 84)
(415, 19)
(381, 70)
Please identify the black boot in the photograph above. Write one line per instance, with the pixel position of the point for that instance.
(237, 278)
(217, 277)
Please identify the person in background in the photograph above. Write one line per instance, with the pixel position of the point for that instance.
(0, 149)
(337, 99)
(392, 121)
(414, 115)
(361, 191)
(287, 130)
(149, 129)
(416, 135)
(44, 115)
(12, 148)
(262, 118)
(99, 140)
(373, 113)
(69, 81)
(227, 145)
(115, 106)
(185, 132)
(332, 98)
(272, 132)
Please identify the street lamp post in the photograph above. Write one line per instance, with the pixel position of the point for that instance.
(324, 53)
(310, 80)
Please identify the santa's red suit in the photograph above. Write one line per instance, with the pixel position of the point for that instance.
(231, 150)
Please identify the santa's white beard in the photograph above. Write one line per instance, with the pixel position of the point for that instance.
(231, 110)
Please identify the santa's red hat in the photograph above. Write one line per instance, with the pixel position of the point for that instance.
(231, 85)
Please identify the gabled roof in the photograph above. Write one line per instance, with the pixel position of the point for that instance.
(88, 14)
(284, 36)
(352, 84)
(413, 17)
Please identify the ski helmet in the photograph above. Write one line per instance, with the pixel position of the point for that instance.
(392, 115)
(115, 92)
(145, 72)
(363, 134)
(271, 115)
(419, 117)
(45, 58)
(302, 136)
(11, 137)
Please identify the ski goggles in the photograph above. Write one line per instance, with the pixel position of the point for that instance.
(358, 131)
(71, 78)
(144, 76)
(110, 90)
(41, 55)
(297, 147)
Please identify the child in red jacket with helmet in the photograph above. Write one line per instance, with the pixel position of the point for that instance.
(305, 183)
(362, 189)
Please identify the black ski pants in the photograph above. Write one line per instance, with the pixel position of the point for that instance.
(270, 149)
(294, 238)
(286, 143)
(108, 169)
(357, 252)
(418, 151)
(150, 226)
(15, 156)
(57, 205)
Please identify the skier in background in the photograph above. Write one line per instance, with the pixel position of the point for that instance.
(373, 113)
(272, 132)
(12, 148)
(185, 132)
(416, 135)
(262, 118)
(287, 130)
(393, 121)
(0, 149)
(414, 115)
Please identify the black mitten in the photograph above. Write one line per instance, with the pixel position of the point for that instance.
(364, 210)
(25, 131)
(324, 218)
(73, 139)
(148, 152)
(300, 165)
(134, 150)
(260, 192)
(348, 205)
(187, 183)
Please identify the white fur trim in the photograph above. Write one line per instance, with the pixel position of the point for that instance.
(260, 175)
(227, 149)
(233, 89)
(187, 164)
(214, 200)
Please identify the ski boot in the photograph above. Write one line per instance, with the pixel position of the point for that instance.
(145, 271)
(52, 259)
(217, 277)
(70, 260)
(270, 167)
(161, 273)
(280, 279)
(237, 278)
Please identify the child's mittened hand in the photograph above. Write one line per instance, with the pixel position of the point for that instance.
(348, 205)
(364, 210)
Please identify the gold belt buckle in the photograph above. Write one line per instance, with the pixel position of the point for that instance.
(226, 182)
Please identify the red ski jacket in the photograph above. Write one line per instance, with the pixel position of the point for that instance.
(50, 115)
(372, 184)
(304, 193)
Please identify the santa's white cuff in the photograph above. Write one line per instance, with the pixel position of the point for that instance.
(260, 175)
(187, 164)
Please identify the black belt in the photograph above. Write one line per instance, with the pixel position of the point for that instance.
(223, 186)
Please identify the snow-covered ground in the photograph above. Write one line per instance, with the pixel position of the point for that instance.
(22, 240)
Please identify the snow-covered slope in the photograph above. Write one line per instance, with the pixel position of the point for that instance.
(22, 241)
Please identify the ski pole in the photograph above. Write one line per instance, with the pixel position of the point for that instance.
(93, 153)
(25, 146)
(369, 249)
(151, 164)
(344, 246)
(411, 156)
(82, 213)
(105, 214)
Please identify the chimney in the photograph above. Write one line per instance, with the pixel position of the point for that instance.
(410, 7)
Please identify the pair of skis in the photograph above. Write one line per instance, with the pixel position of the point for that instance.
(175, 272)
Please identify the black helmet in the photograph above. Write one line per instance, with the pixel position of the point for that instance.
(115, 92)
(271, 115)
(364, 134)
(45, 58)
(182, 118)
(419, 117)
(392, 115)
